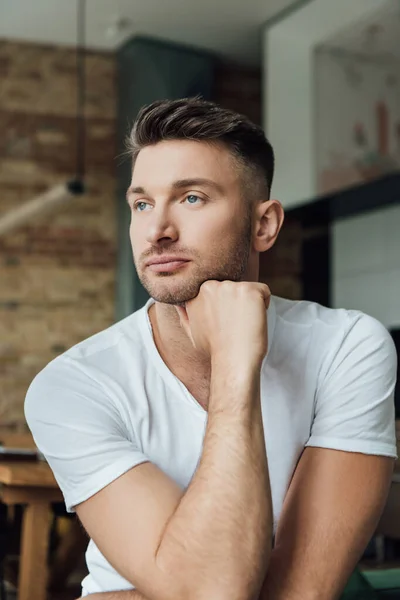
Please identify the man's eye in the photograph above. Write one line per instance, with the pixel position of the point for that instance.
(139, 206)
(191, 198)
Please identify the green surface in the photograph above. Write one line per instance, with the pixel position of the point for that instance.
(376, 584)
(383, 579)
(359, 588)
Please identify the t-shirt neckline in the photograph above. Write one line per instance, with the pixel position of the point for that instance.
(166, 374)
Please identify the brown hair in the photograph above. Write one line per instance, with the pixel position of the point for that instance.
(200, 120)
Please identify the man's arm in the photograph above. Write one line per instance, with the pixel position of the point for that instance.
(214, 540)
(331, 510)
(336, 497)
(330, 513)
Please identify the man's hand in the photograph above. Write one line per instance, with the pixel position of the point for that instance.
(228, 319)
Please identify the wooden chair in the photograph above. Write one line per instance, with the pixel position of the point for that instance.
(73, 544)
(3, 547)
(9, 439)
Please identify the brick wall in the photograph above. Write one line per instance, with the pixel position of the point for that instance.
(57, 272)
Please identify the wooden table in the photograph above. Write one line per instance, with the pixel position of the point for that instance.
(31, 484)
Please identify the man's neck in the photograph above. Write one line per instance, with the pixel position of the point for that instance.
(178, 353)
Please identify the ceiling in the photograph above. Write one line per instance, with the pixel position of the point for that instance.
(375, 37)
(231, 28)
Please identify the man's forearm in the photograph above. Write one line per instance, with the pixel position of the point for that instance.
(220, 534)
(282, 581)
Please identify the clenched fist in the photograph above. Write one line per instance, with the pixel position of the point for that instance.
(228, 320)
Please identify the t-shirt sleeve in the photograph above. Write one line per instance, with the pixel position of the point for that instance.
(77, 426)
(354, 408)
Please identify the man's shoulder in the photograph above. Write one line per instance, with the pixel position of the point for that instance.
(108, 341)
(99, 357)
(90, 376)
(328, 330)
(306, 313)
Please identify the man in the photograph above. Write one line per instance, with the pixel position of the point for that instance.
(219, 443)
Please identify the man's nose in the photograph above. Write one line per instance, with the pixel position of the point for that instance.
(161, 228)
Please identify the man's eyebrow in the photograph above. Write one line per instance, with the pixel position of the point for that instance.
(134, 190)
(180, 183)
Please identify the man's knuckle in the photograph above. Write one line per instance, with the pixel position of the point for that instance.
(208, 286)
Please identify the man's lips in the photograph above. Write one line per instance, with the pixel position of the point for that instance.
(165, 263)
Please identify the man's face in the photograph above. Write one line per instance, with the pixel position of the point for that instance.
(187, 208)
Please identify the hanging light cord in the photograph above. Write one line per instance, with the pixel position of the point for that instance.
(77, 185)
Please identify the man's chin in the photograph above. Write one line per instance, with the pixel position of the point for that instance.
(180, 300)
(169, 290)
(173, 297)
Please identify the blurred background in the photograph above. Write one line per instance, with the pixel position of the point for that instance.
(321, 77)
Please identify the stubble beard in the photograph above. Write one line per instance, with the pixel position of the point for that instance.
(174, 288)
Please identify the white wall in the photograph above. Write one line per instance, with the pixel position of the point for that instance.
(290, 130)
(366, 264)
(348, 89)
(289, 89)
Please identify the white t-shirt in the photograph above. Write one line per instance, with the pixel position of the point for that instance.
(111, 403)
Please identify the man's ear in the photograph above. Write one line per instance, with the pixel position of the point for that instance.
(269, 217)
